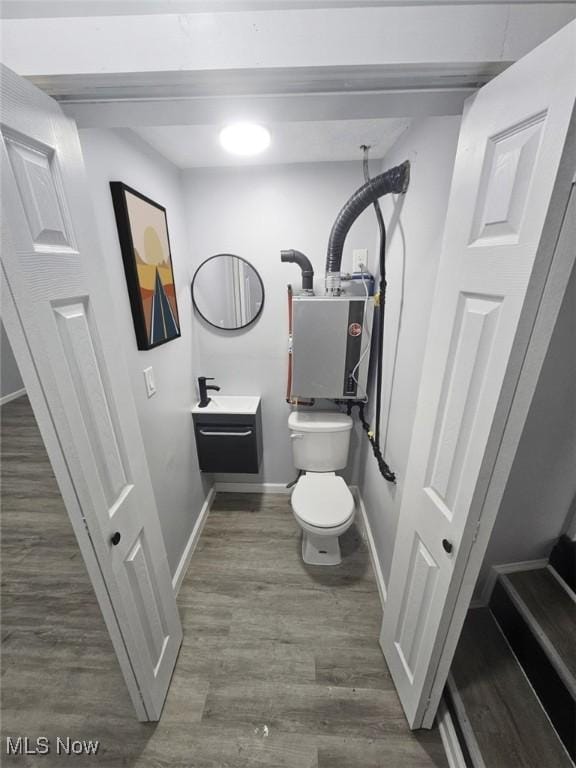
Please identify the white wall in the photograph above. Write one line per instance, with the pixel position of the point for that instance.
(165, 418)
(541, 490)
(415, 227)
(10, 379)
(254, 213)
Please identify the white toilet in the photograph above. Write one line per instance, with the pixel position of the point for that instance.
(321, 501)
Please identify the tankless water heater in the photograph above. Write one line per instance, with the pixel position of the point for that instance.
(330, 346)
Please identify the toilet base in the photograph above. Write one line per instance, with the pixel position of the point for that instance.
(320, 550)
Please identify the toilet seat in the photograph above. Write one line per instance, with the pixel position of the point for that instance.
(322, 500)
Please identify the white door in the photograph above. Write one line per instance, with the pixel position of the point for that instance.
(499, 237)
(61, 325)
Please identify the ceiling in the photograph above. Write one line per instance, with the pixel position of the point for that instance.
(193, 146)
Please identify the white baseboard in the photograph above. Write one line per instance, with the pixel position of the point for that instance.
(251, 488)
(466, 729)
(449, 736)
(12, 396)
(496, 570)
(180, 572)
(367, 533)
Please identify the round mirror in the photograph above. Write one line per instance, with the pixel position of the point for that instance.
(227, 292)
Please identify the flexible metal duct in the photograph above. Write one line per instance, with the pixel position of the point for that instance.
(394, 181)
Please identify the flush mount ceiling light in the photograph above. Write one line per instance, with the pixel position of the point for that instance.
(245, 138)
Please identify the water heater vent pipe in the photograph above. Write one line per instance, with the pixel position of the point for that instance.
(305, 266)
(395, 181)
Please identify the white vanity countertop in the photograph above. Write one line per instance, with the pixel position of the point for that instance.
(230, 404)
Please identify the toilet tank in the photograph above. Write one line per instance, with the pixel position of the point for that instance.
(320, 440)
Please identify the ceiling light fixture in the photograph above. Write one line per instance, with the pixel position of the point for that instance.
(245, 138)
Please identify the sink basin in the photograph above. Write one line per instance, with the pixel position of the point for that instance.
(229, 404)
(228, 434)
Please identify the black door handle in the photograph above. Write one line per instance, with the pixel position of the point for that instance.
(447, 545)
(115, 538)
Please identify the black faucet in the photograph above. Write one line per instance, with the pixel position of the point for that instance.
(203, 389)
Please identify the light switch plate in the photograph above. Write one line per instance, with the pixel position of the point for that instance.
(360, 260)
(149, 379)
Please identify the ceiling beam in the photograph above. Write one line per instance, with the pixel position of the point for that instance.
(266, 109)
(376, 36)
(265, 81)
(26, 9)
(289, 65)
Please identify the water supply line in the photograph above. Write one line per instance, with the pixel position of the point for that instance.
(289, 399)
(297, 257)
(289, 377)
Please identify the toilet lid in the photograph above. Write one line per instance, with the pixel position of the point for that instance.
(323, 500)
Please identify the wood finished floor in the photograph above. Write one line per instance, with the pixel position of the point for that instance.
(280, 665)
(553, 608)
(510, 727)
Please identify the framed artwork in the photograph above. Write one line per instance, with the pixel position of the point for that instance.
(145, 245)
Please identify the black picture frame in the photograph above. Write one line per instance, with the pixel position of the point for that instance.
(204, 318)
(154, 311)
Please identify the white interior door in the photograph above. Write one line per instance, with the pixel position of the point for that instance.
(61, 325)
(510, 179)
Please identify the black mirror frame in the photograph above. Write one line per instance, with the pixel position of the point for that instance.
(220, 327)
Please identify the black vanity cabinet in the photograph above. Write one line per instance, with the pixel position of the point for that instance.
(229, 441)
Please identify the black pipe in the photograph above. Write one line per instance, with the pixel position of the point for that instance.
(304, 264)
(385, 470)
(382, 302)
(394, 181)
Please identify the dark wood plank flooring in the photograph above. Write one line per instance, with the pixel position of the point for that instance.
(553, 608)
(510, 728)
(280, 665)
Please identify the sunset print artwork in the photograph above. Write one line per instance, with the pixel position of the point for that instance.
(143, 233)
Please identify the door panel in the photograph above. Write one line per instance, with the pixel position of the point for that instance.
(55, 280)
(466, 370)
(423, 573)
(505, 182)
(93, 402)
(38, 183)
(148, 604)
(491, 276)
